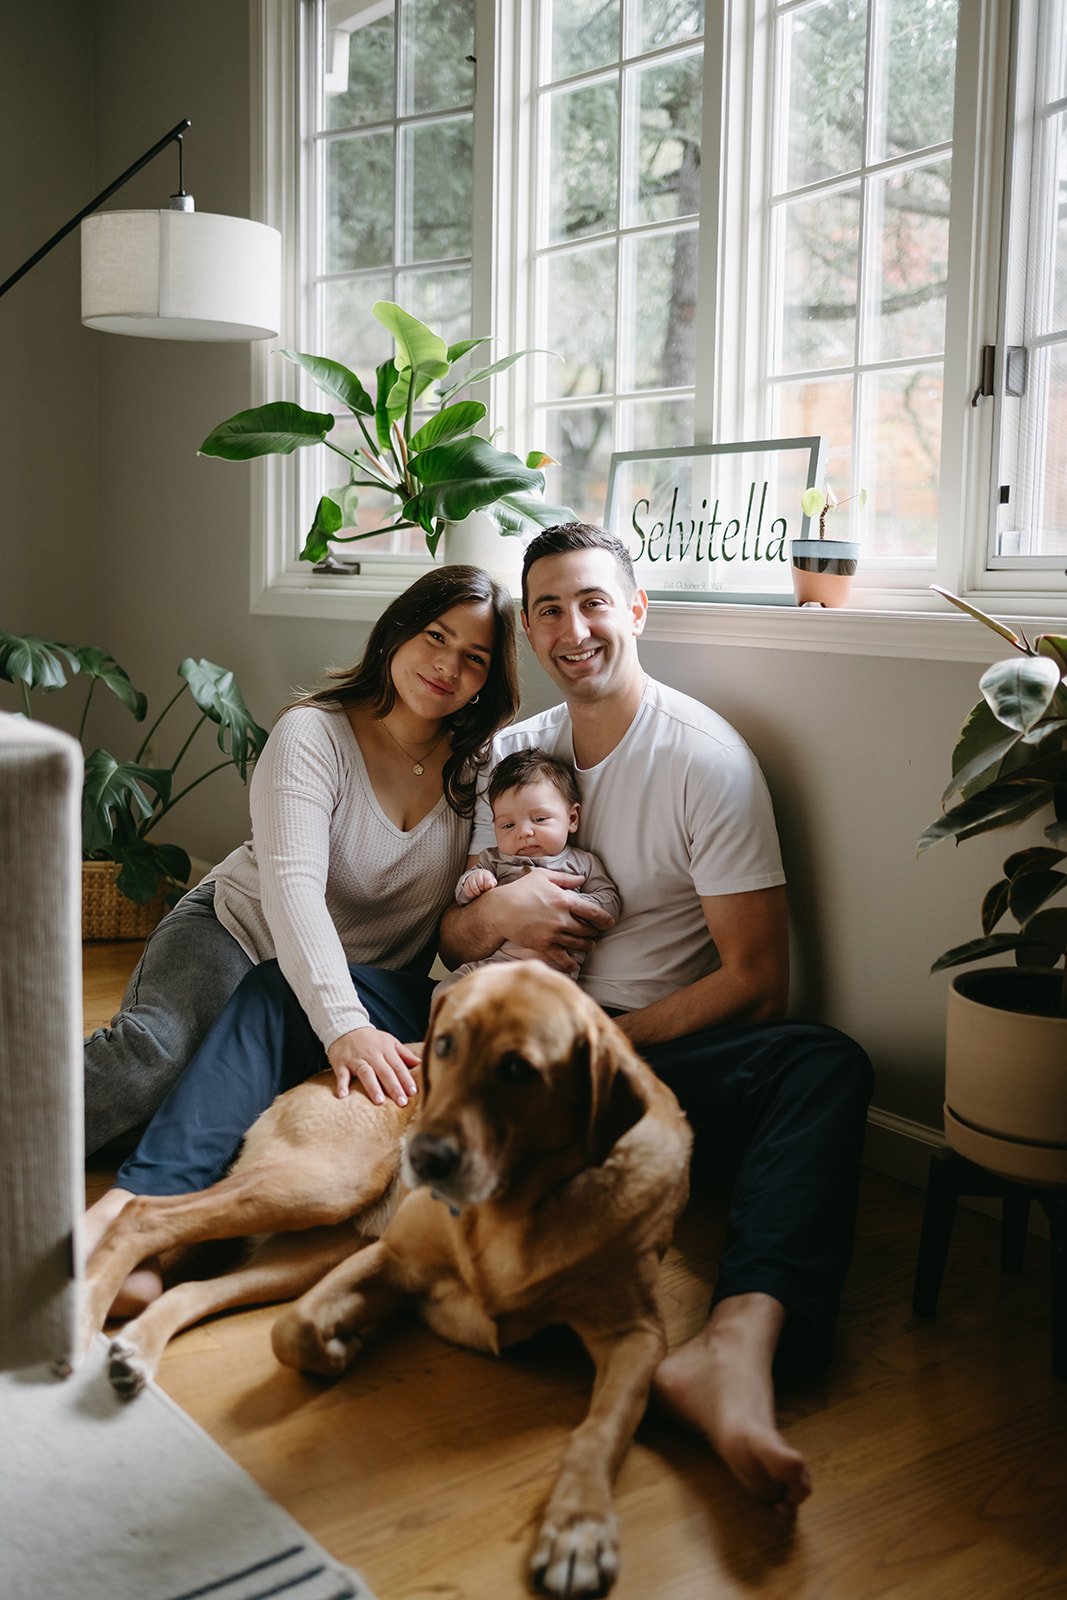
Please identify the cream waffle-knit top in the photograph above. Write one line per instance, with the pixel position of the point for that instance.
(327, 878)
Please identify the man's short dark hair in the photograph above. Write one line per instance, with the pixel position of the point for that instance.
(568, 536)
(533, 766)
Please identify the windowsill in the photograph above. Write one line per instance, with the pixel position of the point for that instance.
(928, 632)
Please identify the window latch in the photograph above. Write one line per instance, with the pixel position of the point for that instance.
(1016, 368)
(985, 389)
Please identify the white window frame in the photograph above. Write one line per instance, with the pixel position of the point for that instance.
(885, 620)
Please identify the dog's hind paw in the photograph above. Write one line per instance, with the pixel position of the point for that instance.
(578, 1561)
(127, 1369)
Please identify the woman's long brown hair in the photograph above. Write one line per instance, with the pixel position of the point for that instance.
(369, 684)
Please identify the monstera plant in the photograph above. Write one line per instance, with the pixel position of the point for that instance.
(124, 801)
(437, 467)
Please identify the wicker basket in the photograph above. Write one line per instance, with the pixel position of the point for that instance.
(107, 914)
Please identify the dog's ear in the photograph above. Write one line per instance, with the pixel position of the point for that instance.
(605, 1057)
(436, 1000)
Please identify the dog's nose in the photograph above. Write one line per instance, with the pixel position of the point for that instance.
(433, 1160)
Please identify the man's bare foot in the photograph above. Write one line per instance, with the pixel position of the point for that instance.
(145, 1283)
(719, 1384)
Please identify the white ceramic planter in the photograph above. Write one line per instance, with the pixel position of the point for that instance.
(1006, 1077)
(476, 542)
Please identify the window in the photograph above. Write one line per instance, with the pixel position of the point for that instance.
(1031, 522)
(390, 109)
(860, 190)
(713, 221)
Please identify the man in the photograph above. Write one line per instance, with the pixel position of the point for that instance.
(696, 972)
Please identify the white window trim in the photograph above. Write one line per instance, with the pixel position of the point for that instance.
(886, 622)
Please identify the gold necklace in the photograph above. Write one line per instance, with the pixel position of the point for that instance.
(418, 767)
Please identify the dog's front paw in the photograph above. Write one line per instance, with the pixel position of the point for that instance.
(126, 1369)
(577, 1556)
(299, 1342)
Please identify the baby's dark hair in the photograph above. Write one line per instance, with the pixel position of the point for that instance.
(533, 766)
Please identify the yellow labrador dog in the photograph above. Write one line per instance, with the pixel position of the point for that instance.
(541, 1184)
(546, 1173)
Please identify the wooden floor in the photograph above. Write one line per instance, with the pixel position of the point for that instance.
(938, 1450)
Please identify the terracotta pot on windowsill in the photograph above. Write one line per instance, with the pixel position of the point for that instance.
(823, 570)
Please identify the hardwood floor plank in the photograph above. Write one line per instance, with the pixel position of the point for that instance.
(938, 1449)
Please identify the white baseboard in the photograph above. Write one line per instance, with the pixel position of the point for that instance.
(901, 1149)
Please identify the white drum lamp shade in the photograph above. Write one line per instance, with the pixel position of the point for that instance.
(181, 274)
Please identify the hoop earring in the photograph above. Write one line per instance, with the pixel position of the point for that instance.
(473, 701)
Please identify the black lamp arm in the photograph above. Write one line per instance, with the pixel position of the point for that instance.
(161, 144)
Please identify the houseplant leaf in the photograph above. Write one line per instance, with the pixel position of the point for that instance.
(490, 371)
(1020, 691)
(328, 521)
(278, 428)
(463, 476)
(1031, 891)
(145, 867)
(991, 808)
(416, 344)
(447, 424)
(335, 379)
(977, 949)
(456, 352)
(384, 417)
(216, 692)
(102, 666)
(37, 663)
(117, 786)
(523, 513)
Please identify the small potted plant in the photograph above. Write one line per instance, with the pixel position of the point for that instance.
(438, 468)
(1006, 1056)
(823, 568)
(128, 878)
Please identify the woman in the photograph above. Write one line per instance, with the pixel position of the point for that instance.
(361, 806)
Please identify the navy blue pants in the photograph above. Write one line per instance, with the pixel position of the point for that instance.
(780, 1106)
(261, 1045)
(781, 1110)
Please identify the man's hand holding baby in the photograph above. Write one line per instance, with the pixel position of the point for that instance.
(544, 912)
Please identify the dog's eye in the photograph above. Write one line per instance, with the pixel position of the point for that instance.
(442, 1045)
(514, 1069)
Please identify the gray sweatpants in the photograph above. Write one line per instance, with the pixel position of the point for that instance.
(189, 969)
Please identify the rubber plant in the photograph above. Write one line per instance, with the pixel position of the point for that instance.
(124, 801)
(1009, 763)
(437, 468)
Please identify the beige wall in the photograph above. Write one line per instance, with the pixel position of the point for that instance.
(116, 533)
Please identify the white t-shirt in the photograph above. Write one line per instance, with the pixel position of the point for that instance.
(679, 809)
(327, 878)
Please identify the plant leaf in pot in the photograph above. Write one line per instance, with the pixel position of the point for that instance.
(124, 800)
(436, 468)
(1006, 1056)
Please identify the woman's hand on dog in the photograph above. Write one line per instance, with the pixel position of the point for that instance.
(379, 1063)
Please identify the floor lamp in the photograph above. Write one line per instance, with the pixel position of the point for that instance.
(173, 274)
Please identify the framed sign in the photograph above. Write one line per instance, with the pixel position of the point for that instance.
(714, 521)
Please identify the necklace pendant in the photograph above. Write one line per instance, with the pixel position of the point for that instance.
(418, 769)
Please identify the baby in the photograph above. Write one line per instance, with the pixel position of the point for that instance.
(535, 804)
